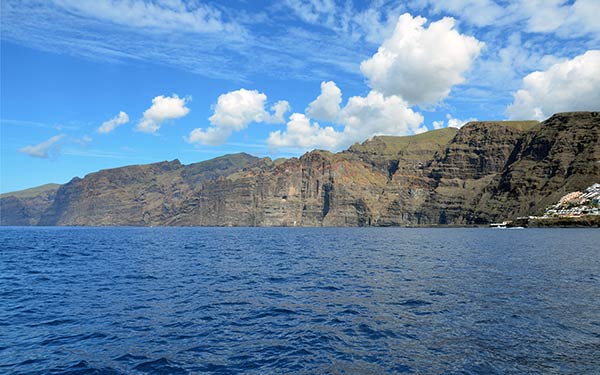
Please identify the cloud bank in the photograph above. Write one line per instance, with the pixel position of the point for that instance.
(416, 65)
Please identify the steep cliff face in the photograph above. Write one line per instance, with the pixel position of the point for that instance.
(26, 207)
(476, 155)
(136, 195)
(559, 156)
(320, 188)
(406, 161)
(483, 172)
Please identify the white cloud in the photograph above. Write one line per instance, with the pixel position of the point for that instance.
(377, 21)
(236, 109)
(584, 17)
(233, 112)
(573, 85)
(327, 105)
(544, 15)
(113, 123)
(421, 64)
(361, 118)
(279, 110)
(313, 10)
(44, 149)
(300, 133)
(163, 108)
(451, 122)
(477, 12)
(377, 114)
(162, 15)
(557, 16)
(566, 19)
(503, 69)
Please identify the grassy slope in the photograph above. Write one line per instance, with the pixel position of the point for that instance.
(30, 193)
(394, 145)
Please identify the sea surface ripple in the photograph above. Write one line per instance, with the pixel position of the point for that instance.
(299, 301)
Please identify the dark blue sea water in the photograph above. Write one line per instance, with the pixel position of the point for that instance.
(299, 301)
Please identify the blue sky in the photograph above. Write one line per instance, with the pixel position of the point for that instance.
(87, 85)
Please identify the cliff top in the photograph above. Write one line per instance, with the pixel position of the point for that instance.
(517, 125)
(378, 148)
(32, 192)
(394, 144)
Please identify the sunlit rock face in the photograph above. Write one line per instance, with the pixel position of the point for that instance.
(483, 172)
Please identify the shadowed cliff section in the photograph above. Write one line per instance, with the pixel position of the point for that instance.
(559, 156)
(485, 171)
(25, 207)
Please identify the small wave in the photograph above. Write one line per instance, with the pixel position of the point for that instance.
(61, 340)
(277, 279)
(277, 311)
(160, 366)
(350, 312)
(141, 277)
(80, 368)
(54, 322)
(130, 358)
(373, 333)
(436, 293)
(329, 288)
(414, 303)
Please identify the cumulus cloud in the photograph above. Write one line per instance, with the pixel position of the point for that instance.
(327, 105)
(572, 85)
(44, 149)
(233, 112)
(421, 64)
(377, 114)
(451, 122)
(279, 110)
(113, 123)
(300, 133)
(163, 108)
(416, 65)
(361, 118)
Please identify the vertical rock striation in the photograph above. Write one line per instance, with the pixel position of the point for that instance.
(485, 171)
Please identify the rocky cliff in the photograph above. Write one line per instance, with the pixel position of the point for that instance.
(483, 172)
(27, 206)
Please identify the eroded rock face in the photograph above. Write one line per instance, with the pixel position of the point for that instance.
(483, 172)
(559, 156)
(26, 207)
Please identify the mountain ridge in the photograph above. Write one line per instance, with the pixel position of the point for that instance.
(484, 172)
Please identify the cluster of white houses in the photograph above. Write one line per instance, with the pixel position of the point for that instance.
(577, 203)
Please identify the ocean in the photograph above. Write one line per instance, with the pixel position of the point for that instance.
(299, 301)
